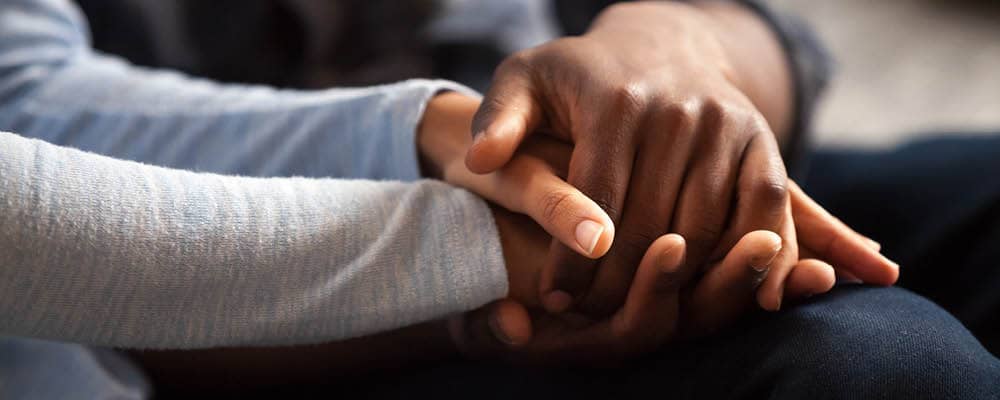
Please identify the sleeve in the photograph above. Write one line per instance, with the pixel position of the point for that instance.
(110, 252)
(812, 68)
(55, 88)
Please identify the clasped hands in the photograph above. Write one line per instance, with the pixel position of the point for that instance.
(637, 189)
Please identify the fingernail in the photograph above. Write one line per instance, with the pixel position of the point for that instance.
(498, 332)
(588, 233)
(763, 264)
(478, 137)
(557, 301)
(668, 261)
(874, 245)
(759, 278)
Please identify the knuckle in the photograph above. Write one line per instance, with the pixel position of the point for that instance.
(517, 62)
(602, 192)
(630, 98)
(703, 236)
(682, 116)
(771, 191)
(633, 242)
(555, 204)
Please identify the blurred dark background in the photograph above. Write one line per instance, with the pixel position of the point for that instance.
(904, 66)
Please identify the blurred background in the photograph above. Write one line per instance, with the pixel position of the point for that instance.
(906, 67)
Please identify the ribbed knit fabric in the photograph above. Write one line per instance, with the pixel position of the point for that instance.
(103, 251)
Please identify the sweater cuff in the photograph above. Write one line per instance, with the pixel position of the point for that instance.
(472, 270)
(407, 109)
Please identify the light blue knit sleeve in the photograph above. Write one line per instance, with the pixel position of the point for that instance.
(98, 250)
(102, 251)
(54, 87)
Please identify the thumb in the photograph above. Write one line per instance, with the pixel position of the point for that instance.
(561, 209)
(506, 116)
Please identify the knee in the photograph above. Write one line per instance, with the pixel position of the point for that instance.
(862, 342)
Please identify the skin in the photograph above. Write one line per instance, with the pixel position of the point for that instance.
(675, 127)
(540, 167)
(707, 144)
(661, 306)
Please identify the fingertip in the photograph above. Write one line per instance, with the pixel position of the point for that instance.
(493, 146)
(483, 156)
(879, 270)
(892, 273)
(672, 250)
(557, 301)
(593, 235)
(763, 246)
(600, 243)
(511, 324)
(809, 278)
(769, 300)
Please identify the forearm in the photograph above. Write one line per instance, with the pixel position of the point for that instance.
(115, 253)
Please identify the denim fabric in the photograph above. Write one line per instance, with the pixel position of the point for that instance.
(935, 207)
(856, 342)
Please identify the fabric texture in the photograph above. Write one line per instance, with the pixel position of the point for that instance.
(102, 251)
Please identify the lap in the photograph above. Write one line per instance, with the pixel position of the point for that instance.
(856, 342)
(935, 207)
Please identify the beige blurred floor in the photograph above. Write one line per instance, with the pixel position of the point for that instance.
(906, 66)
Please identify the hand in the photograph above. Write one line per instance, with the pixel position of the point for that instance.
(662, 303)
(666, 135)
(538, 173)
(529, 184)
(658, 308)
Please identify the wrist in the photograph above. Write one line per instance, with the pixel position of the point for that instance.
(759, 66)
(444, 132)
(524, 245)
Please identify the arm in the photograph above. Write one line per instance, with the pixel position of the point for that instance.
(115, 253)
(55, 88)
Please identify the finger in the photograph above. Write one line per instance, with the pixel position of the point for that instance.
(728, 289)
(650, 310)
(528, 185)
(646, 320)
(834, 242)
(492, 330)
(762, 191)
(601, 171)
(810, 277)
(508, 113)
(771, 291)
(562, 210)
(649, 206)
(707, 192)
